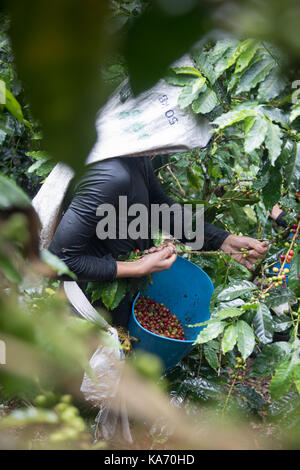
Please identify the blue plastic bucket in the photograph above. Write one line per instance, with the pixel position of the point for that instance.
(186, 290)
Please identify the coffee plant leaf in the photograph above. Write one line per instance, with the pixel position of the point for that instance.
(235, 290)
(191, 91)
(11, 195)
(230, 338)
(202, 61)
(108, 294)
(263, 324)
(279, 296)
(273, 141)
(175, 79)
(9, 270)
(282, 380)
(251, 46)
(228, 313)
(295, 113)
(255, 135)
(56, 264)
(271, 87)
(211, 355)
(271, 191)
(269, 358)
(187, 71)
(120, 294)
(294, 274)
(193, 179)
(246, 339)
(255, 74)
(211, 331)
(296, 376)
(292, 165)
(232, 117)
(206, 102)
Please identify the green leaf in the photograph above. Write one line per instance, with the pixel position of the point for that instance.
(211, 355)
(275, 115)
(2, 92)
(202, 61)
(246, 339)
(193, 179)
(255, 74)
(239, 217)
(190, 92)
(294, 280)
(263, 324)
(271, 87)
(14, 106)
(271, 192)
(212, 331)
(11, 196)
(177, 80)
(228, 312)
(255, 135)
(249, 50)
(96, 294)
(222, 47)
(296, 376)
(227, 59)
(39, 155)
(282, 380)
(295, 113)
(187, 71)
(235, 290)
(120, 294)
(279, 296)
(108, 294)
(292, 162)
(56, 264)
(240, 50)
(273, 141)
(271, 355)
(232, 117)
(206, 102)
(8, 269)
(230, 338)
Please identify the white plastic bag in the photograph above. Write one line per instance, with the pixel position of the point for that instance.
(148, 124)
(106, 365)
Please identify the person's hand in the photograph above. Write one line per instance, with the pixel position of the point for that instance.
(159, 259)
(257, 250)
(276, 211)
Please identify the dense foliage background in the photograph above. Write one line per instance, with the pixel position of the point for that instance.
(246, 363)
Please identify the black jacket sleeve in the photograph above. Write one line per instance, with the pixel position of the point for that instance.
(213, 236)
(72, 239)
(281, 220)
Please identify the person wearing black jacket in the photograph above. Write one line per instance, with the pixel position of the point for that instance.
(91, 259)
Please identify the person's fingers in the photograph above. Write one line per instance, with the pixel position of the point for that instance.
(165, 253)
(248, 264)
(166, 264)
(260, 247)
